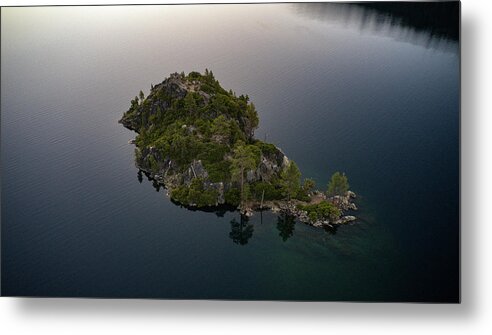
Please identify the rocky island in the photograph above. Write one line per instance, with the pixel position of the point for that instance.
(197, 140)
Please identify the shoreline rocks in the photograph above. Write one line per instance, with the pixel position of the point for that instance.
(290, 208)
(285, 207)
(196, 140)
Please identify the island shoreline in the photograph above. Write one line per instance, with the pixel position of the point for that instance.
(280, 207)
(196, 140)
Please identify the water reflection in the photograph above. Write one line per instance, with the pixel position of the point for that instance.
(332, 230)
(220, 211)
(430, 24)
(241, 231)
(156, 185)
(285, 226)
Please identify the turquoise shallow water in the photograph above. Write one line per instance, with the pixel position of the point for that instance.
(342, 88)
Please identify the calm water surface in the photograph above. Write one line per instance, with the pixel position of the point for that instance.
(337, 87)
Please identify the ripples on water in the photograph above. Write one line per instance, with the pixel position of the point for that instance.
(431, 25)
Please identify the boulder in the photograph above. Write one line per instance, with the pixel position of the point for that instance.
(199, 169)
(251, 176)
(345, 219)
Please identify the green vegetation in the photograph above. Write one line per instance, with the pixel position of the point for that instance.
(199, 139)
(267, 149)
(338, 184)
(308, 185)
(269, 190)
(202, 121)
(195, 194)
(191, 118)
(307, 188)
(233, 197)
(320, 211)
(245, 158)
(291, 180)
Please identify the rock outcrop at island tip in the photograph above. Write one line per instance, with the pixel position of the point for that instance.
(197, 140)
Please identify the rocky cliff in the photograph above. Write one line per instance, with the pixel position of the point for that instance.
(197, 140)
(188, 127)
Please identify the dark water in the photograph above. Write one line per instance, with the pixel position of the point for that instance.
(337, 87)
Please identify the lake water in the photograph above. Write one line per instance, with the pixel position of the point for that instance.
(337, 87)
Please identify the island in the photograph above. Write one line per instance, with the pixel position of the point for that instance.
(196, 139)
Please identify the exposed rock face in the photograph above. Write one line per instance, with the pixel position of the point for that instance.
(160, 98)
(188, 103)
(194, 137)
(271, 165)
(196, 170)
(344, 203)
(170, 174)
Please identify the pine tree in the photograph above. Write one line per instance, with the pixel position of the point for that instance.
(291, 180)
(338, 184)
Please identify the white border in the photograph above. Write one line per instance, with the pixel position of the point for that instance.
(88, 316)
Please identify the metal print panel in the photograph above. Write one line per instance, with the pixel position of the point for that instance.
(244, 151)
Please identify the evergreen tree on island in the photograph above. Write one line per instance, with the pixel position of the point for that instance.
(196, 139)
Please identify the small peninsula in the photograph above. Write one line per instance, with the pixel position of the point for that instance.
(197, 140)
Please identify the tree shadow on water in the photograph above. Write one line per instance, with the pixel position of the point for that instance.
(154, 182)
(332, 230)
(286, 226)
(156, 185)
(219, 210)
(241, 231)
